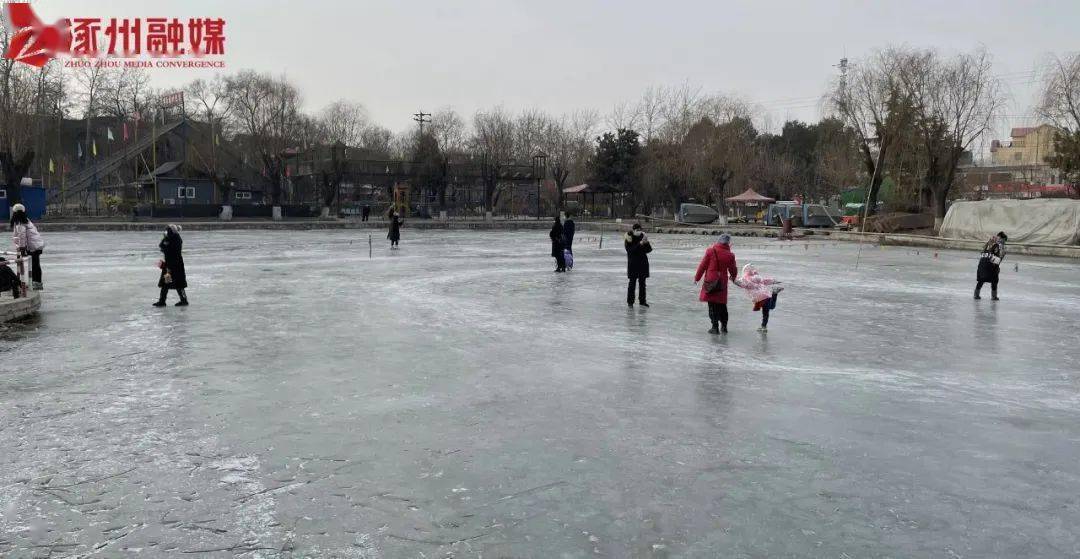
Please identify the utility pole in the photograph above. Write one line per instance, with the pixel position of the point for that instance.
(421, 118)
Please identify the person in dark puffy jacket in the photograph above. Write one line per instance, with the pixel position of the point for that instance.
(637, 247)
(990, 265)
(173, 274)
(556, 236)
(568, 228)
(395, 227)
(9, 280)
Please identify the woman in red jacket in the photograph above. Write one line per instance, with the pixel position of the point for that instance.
(716, 267)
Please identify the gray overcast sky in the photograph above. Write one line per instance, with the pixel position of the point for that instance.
(396, 57)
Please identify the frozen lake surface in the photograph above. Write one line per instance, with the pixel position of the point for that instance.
(456, 398)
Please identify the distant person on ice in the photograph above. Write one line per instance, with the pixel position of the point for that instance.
(173, 275)
(637, 263)
(716, 267)
(990, 265)
(395, 227)
(568, 233)
(27, 242)
(761, 291)
(556, 236)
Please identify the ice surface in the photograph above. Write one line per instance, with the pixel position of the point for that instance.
(456, 398)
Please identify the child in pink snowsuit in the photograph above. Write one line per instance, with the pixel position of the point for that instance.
(759, 289)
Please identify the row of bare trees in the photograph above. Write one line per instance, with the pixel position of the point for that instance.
(903, 114)
(917, 101)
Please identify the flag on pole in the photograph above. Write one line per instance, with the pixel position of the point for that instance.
(52, 167)
(125, 132)
(93, 147)
(217, 140)
(108, 133)
(79, 145)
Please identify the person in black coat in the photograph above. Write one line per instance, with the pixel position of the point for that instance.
(556, 236)
(990, 265)
(395, 228)
(637, 263)
(568, 234)
(9, 280)
(173, 275)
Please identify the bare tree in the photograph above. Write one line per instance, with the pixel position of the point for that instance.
(90, 85)
(448, 128)
(567, 142)
(873, 101)
(1060, 104)
(1060, 99)
(955, 101)
(623, 116)
(266, 111)
(681, 108)
(493, 145)
(18, 104)
(125, 92)
(717, 155)
(344, 121)
(650, 112)
(209, 101)
(529, 129)
(376, 140)
(403, 144)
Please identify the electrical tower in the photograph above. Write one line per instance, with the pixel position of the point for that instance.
(843, 65)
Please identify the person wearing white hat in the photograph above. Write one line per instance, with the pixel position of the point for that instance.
(28, 242)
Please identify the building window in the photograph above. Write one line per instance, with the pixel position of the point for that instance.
(243, 196)
(191, 192)
(180, 193)
(3, 194)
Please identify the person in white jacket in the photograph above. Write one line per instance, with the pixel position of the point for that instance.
(28, 242)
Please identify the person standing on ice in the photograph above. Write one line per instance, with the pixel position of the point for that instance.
(568, 233)
(761, 291)
(716, 267)
(173, 275)
(556, 236)
(27, 243)
(395, 227)
(637, 263)
(990, 264)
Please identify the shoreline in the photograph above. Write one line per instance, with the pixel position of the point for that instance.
(888, 239)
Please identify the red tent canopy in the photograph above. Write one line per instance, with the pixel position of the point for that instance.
(750, 196)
